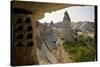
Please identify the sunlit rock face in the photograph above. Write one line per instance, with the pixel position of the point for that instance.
(46, 43)
(49, 46)
(67, 31)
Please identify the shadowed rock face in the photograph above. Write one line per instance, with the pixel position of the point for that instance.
(23, 51)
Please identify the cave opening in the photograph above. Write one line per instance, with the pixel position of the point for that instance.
(29, 36)
(28, 20)
(19, 44)
(30, 43)
(20, 36)
(19, 20)
(29, 28)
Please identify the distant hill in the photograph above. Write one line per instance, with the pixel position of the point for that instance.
(83, 26)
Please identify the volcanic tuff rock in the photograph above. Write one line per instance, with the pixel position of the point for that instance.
(49, 46)
(67, 31)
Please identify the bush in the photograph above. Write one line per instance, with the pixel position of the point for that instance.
(85, 54)
(81, 50)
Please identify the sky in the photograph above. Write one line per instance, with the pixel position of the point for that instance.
(76, 13)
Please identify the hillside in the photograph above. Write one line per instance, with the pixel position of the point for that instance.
(83, 26)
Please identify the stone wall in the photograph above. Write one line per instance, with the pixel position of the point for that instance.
(23, 39)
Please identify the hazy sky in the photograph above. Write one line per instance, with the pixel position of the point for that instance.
(76, 13)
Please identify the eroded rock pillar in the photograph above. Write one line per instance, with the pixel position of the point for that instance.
(67, 31)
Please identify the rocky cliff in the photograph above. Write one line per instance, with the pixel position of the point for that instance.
(49, 46)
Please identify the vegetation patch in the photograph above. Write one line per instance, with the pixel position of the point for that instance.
(84, 49)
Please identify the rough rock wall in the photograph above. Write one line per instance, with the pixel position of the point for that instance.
(49, 46)
(46, 43)
(23, 48)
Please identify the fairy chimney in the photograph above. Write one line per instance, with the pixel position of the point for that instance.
(51, 24)
(67, 32)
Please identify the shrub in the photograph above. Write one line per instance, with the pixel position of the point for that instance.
(81, 50)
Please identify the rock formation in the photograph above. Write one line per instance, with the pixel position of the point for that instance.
(33, 42)
(34, 45)
(52, 24)
(67, 31)
(47, 41)
(49, 46)
(46, 23)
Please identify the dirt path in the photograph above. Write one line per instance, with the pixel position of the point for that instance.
(63, 56)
